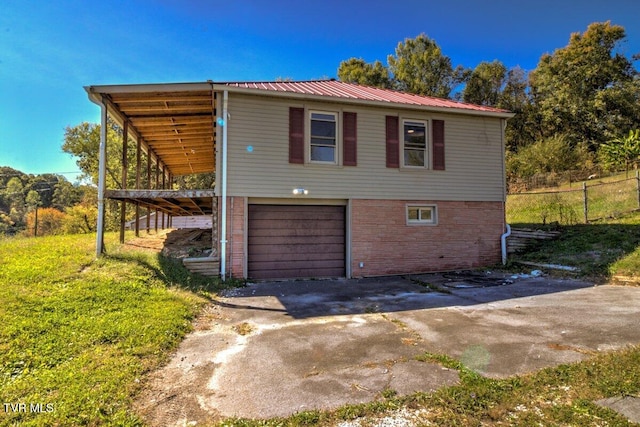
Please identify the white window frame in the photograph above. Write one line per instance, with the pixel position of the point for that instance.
(433, 217)
(337, 145)
(425, 123)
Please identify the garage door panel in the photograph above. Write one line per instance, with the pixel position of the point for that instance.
(293, 253)
(303, 272)
(295, 216)
(297, 240)
(290, 224)
(297, 265)
(286, 241)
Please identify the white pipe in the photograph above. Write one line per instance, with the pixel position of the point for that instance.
(102, 174)
(223, 195)
(503, 244)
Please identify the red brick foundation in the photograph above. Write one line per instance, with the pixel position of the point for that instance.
(467, 235)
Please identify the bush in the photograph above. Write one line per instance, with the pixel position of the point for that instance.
(50, 222)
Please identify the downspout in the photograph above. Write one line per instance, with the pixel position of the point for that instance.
(102, 173)
(503, 244)
(223, 212)
(503, 238)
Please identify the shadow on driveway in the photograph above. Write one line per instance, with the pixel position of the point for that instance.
(317, 298)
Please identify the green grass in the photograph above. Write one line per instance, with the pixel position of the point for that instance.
(604, 200)
(79, 335)
(600, 249)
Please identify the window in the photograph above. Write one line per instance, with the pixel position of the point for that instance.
(322, 140)
(415, 143)
(421, 215)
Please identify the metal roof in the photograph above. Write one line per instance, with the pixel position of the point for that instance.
(357, 93)
(176, 121)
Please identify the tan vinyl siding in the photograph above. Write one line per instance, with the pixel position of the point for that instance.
(473, 161)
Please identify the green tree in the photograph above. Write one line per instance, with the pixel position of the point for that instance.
(83, 142)
(485, 84)
(623, 152)
(522, 129)
(356, 70)
(33, 201)
(66, 195)
(549, 155)
(586, 89)
(14, 194)
(420, 67)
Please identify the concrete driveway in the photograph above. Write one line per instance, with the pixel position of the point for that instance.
(272, 349)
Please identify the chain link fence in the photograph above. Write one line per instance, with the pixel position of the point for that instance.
(574, 206)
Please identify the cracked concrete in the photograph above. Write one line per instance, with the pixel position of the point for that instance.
(323, 344)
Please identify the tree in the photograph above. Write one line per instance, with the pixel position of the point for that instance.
(550, 155)
(420, 67)
(49, 222)
(66, 195)
(14, 194)
(485, 84)
(586, 89)
(83, 141)
(622, 152)
(356, 70)
(33, 200)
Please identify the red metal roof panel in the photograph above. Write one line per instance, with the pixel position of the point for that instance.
(351, 91)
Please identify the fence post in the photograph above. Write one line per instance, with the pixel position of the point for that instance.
(586, 203)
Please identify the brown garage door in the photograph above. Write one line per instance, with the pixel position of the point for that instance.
(286, 241)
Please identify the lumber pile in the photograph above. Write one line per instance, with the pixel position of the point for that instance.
(521, 238)
(208, 266)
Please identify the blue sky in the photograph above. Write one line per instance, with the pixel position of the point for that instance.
(49, 49)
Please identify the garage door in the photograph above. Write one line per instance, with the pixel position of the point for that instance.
(286, 241)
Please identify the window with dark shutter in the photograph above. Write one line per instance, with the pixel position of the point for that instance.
(296, 135)
(392, 142)
(437, 139)
(350, 136)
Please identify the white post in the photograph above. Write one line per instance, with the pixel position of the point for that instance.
(102, 173)
(223, 195)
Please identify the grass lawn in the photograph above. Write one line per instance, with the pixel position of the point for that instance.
(600, 249)
(78, 335)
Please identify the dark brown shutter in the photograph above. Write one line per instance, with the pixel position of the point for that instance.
(296, 135)
(392, 142)
(350, 137)
(437, 140)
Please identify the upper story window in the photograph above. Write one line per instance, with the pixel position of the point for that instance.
(415, 143)
(323, 140)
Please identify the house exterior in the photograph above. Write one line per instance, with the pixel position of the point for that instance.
(332, 179)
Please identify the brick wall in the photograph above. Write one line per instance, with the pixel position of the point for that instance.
(467, 235)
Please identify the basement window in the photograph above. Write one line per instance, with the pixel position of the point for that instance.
(421, 215)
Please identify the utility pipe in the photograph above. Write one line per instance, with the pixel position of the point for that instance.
(503, 244)
(223, 191)
(102, 174)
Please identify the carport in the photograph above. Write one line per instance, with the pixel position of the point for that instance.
(175, 127)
